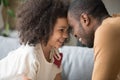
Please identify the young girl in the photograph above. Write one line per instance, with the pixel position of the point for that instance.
(43, 29)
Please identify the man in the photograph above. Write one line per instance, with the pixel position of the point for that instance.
(94, 27)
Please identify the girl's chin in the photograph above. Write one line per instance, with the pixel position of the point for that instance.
(58, 46)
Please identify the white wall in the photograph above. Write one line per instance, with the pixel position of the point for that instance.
(113, 6)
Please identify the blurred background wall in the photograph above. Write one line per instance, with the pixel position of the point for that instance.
(113, 6)
(1, 20)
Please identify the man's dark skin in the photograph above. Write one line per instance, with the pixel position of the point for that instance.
(85, 17)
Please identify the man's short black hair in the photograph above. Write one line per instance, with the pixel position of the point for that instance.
(95, 8)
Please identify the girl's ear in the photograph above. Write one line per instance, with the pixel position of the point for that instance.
(84, 19)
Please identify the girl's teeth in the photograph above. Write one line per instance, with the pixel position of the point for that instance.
(80, 39)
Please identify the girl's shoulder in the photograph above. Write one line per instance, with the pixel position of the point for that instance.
(18, 62)
(22, 53)
(23, 50)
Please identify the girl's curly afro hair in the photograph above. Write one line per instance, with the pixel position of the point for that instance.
(36, 19)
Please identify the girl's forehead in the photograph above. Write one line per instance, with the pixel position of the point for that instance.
(62, 22)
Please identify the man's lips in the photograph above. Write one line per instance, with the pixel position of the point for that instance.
(82, 41)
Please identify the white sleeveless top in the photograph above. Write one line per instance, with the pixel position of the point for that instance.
(29, 61)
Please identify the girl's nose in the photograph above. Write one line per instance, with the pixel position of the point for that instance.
(65, 35)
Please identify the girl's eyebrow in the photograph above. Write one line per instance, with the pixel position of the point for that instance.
(64, 26)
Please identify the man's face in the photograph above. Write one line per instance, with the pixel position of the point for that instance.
(84, 36)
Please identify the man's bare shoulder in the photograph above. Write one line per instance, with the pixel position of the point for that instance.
(109, 27)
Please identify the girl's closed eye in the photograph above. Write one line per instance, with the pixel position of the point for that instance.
(61, 30)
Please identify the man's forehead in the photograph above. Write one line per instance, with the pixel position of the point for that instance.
(69, 14)
(70, 18)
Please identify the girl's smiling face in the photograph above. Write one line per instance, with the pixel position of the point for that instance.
(60, 33)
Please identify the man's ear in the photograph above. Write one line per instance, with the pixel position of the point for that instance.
(84, 19)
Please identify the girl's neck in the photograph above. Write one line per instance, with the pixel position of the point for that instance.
(46, 52)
